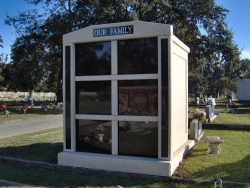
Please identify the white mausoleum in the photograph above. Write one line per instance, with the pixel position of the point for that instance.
(125, 98)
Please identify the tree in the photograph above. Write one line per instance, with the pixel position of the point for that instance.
(5, 75)
(224, 85)
(213, 52)
(45, 31)
(3, 56)
(1, 42)
(28, 65)
(245, 69)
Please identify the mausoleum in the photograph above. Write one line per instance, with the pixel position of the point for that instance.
(125, 98)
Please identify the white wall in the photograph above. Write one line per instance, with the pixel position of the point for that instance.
(178, 85)
(243, 90)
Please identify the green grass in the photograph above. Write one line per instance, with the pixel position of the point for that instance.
(40, 146)
(65, 178)
(242, 115)
(31, 113)
(20, 102)
(231, 165)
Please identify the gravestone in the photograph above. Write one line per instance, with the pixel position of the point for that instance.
(197, 100)
(210, 109)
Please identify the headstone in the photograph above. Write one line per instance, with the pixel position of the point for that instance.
(136, 126)
(209, 111)
(205, 97)
(197, 100)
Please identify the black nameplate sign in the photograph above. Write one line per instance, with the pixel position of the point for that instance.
(111, 31)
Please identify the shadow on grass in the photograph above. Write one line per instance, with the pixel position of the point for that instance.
(43, 152)
(242, 111)
(236, 172)
(62, 176)
(36, 174)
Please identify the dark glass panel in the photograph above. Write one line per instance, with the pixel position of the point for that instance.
(138, 97)
(67, 97)
(93, 59)
(138, 56)
(138, 139)
(93, 136)
(164, 65)
(93, 97)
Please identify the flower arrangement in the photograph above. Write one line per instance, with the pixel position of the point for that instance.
(200, 115)
(3, 107)
(98, 130)
(96, 134)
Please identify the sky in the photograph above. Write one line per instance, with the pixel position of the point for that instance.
(237, 19)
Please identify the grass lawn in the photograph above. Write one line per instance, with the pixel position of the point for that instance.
(242, 115)
(31, 113)
(232, 165)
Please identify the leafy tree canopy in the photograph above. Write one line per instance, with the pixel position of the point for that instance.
(201, 25)
(245, 69)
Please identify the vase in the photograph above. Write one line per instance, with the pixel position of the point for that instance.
(100, 137)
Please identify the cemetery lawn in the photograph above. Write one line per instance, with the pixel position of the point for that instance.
(31, 113)
(231, 165)
(241, 116)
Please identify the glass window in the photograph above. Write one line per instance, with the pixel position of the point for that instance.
(67, 97)
(138, 97)
(93, 136)
(164, 65)
(93, 59)
(138, 56)
(93, 97)
(138, 139)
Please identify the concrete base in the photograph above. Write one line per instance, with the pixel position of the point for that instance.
(138, 165)
(196, 132)
(212, 118)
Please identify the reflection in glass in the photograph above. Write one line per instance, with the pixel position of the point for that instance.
(93, 97)
(164, 65)
(67, 97)
(138, 139)
(137, 56)
(138, 97)
(93, 58)
(93, 136)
